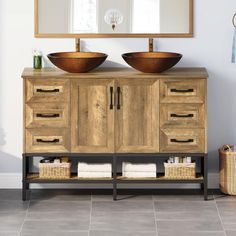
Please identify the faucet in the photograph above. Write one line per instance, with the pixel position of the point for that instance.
(150, 44)
(77, 44)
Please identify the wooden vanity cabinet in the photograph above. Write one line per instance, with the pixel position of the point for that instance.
(115, 114)
(115, 111)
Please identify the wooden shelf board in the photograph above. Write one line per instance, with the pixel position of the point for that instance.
(162, 178)
(34, 178)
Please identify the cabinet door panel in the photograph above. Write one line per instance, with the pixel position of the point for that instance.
(137, 120)
(92, 120)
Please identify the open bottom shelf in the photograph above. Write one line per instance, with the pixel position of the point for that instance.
(34, 178)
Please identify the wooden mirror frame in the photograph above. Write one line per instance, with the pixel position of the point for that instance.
(167, 35)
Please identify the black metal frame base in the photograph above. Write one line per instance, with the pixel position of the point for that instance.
(114, 159)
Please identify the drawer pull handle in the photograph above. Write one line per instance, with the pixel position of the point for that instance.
(48, 115)
(181, 116)
(111, 98)
(48, 90)
(56, 140)
(182, 141)
(119, 93)
(182, 90)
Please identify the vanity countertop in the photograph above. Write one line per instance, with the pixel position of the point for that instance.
(124, 72)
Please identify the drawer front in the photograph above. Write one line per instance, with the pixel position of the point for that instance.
(182, 140)
(43, 115)
(47, 90)
(47, 140)
(182, 91)
(182, 115)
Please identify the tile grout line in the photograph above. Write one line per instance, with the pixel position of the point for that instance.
(26, 214)
(153, 203)
(220, 218)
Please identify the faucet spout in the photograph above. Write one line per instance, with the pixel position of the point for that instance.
(77, 44)
(150, 44)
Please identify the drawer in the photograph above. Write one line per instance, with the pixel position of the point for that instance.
(182, 115)
(182, 91)
(43, 115)
(47, 90)
(47, 140)
(182, 140)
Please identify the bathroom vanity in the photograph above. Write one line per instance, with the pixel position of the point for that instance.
(116, 114)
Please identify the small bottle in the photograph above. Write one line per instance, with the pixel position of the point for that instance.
(37, 59)
(177, 160)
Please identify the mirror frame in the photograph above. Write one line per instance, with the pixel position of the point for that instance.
(160, 35)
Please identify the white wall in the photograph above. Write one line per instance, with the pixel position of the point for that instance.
(210, 48)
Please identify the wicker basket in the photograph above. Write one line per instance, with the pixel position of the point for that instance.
(54, 170)
(227, 170)
(180, 171)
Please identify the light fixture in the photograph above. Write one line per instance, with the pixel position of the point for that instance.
(113, 17)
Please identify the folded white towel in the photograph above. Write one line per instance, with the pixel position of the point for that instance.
(139, 174)
(106, 167)
(149, 167)
(94, 175)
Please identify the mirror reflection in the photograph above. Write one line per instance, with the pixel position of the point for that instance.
(113, 16)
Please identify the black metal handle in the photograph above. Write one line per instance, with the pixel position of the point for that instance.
(182, 90)
(182, 141)
(181, 116)
(111, 98)
(56, 140)
(48, 115)
(118, 99)
(48, 91)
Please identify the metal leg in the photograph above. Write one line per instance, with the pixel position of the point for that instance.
(202, 171)
(24, 186)
(114, 169)
(206, 177)
(25, 169)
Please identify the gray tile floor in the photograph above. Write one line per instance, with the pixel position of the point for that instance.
(69, 213)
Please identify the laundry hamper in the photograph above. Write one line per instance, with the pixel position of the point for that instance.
(227, 170)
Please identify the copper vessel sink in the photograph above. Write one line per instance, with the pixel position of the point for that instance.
(77, 62)
(152, 62)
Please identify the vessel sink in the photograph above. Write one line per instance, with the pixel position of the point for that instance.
(152, 62)
(77, 62)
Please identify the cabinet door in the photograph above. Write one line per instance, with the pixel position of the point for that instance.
(92, 118)
(137, 116)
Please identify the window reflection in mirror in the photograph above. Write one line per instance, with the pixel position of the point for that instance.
(113, 16)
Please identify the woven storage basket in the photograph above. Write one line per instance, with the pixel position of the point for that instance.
(227, 170)
(54, 170)
(180, 171)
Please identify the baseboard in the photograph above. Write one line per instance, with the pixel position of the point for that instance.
(13, 181)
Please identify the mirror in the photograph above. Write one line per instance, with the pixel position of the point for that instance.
(113, 18)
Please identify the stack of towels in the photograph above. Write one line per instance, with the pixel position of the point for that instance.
(147, 170)
(87, 170)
